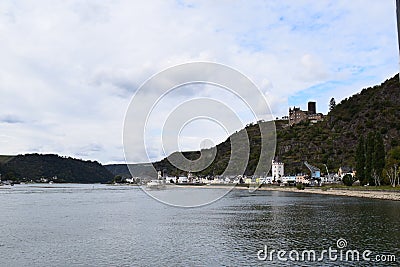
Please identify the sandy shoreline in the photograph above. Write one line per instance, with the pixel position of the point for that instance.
(374, 194)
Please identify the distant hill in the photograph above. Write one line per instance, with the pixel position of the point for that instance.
(36, 166)
(217, 167)
(331, 142)
(122, 169)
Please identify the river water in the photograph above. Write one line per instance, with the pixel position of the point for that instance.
(100, 225)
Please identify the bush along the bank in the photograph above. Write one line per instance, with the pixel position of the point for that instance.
(300, 186)
(348, 180)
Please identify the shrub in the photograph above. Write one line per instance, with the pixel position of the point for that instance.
(348, 180)
(300, 186)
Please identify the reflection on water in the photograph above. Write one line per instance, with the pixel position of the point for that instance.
(103, 225)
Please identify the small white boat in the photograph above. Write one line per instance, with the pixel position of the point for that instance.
(156, 184)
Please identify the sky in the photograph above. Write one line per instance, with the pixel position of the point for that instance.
(69, 69)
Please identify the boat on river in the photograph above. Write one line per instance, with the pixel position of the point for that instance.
(156, 184)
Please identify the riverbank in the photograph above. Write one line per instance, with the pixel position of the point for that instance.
(349, 192)
(365, 193)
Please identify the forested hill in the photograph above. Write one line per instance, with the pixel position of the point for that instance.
(36, 166)
(332, 141)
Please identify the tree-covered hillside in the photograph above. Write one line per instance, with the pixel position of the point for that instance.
(334, 140)
(36, 166)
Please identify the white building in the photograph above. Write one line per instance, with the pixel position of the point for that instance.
(170, 179)
(346, 170)
(328, 179)
(302, 179)
(130, 180)
(277, 169)
(266, 180)
(288, 179)
(183, 179)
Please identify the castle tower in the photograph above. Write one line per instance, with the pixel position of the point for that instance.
(277, 169)
(312, 107)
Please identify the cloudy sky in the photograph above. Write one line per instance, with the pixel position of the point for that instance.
(68, 69)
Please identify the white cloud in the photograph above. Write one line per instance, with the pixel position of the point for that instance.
(69, 68)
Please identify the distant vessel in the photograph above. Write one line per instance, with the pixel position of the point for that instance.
(156, 184)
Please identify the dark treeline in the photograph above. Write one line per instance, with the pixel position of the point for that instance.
(53, 167)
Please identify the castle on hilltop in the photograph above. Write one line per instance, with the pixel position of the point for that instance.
(296, 115)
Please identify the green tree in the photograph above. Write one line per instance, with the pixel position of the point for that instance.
(369, 155)
(378, 160)
(348, 180)
(360, 160)
(332, 104)
(118, 179)
(393, 156)
(392, 166)
(9, 176)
